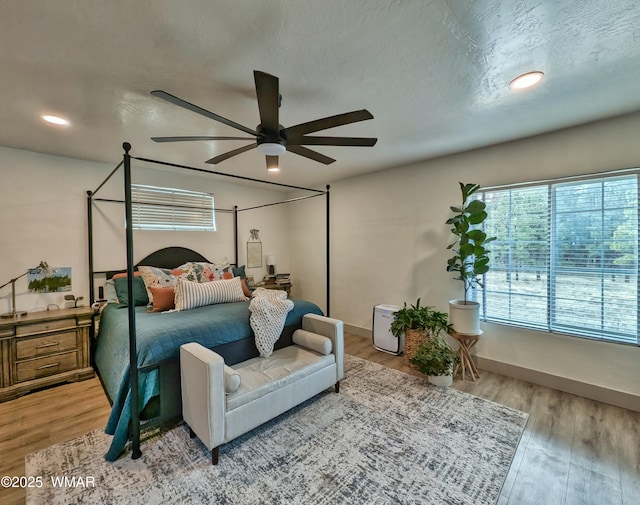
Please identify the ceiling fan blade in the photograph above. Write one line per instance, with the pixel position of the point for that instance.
(293, 132)
(268, 101)
(199, 110)
(273, 163)
(189, 139)
(308, 153)
(227, 155)
(335, 141)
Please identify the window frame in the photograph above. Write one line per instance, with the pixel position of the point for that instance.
(552, 323)
(173, 209)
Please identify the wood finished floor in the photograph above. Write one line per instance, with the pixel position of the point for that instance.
(573, 451)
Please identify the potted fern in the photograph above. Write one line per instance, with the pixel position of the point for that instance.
(470, 260)
(436, 359)
(417, 324)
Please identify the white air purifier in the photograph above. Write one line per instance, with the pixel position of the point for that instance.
(383, 339)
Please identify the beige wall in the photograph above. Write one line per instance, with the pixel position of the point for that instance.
(388, 235)
(43, 216)
(389, 243)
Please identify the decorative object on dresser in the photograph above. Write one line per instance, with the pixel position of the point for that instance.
(283, 278)
(43, 267)
(42, 349)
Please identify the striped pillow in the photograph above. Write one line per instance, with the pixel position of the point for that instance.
(190, 295)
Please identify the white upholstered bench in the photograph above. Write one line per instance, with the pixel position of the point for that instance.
(220, 403)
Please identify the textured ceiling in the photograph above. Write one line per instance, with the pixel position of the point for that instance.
(434, 74)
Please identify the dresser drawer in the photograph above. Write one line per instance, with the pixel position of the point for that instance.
(41, 346)
(50, 365)
(30, 329)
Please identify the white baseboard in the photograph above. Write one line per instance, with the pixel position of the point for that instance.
(591, 391)
(357, 330)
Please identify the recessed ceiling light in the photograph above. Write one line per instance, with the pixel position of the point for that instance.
(57, 120)
(527, 80)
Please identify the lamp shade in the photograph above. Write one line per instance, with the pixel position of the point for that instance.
(271, 260)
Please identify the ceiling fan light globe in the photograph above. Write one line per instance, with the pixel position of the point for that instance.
(271, 149)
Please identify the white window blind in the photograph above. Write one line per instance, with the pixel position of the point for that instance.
(565, 258)
(155, 208)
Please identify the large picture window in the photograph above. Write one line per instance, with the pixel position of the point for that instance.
(155, 208)
(565, 258)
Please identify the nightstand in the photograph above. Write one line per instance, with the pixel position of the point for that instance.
(42, 349)
(272, 285)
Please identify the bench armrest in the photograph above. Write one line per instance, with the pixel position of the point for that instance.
(203, 392)
(330, 328)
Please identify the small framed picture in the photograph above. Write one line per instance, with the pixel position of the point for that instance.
(254, 254)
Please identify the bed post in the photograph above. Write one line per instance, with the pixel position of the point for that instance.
(133, 353)
(90, 238)
(328, 255)
(235, 233)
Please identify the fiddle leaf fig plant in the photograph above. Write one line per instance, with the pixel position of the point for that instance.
(471, 257)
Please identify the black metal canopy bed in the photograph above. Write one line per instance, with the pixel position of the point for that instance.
(136, 353)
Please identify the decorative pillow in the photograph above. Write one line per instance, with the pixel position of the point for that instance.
(231, 380)
(313, 341)
(164, 277)
(124, 274)
(239, 272)
(190, 295)
(163, 298)
(206, 272)
(122, 291)
(110, 292)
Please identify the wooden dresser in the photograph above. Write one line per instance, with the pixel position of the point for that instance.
(42, 349)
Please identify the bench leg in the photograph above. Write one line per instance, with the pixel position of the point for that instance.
(214, 455)
(192, 434)
(337, 387)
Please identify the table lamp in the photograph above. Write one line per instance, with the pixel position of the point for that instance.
(43, 266)
(271, 265)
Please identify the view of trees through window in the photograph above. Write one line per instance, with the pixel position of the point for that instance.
(565, 258)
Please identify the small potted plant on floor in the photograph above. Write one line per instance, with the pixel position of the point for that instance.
(418, 323)
(436, 359)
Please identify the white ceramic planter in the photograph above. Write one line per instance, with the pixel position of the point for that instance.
(465, 318)
(441, 380)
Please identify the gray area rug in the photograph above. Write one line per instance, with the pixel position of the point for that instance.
(386, 438)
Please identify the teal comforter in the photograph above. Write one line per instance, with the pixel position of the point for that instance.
(159, 337)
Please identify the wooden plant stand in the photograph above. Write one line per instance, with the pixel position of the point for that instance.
(466, 365)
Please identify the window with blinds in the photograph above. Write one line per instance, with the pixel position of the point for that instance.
(566, 257)
(156, 208)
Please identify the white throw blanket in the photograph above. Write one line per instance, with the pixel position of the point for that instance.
(269, 309)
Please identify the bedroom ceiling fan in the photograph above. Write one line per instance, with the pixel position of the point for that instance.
(270, 137)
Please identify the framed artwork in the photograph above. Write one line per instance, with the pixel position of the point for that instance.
(254, 254)
(56, 280)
